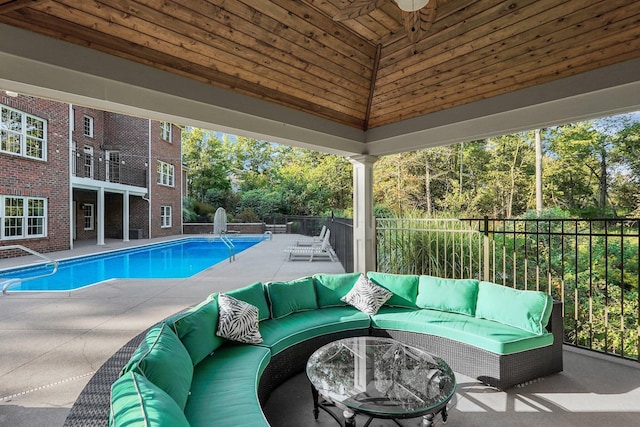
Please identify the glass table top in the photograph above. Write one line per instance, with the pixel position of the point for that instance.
(381, 376)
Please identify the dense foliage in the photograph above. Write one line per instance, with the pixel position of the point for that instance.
(589, 169)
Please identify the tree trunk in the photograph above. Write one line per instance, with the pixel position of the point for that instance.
(427, 185)
(539, 203)
(603, 179)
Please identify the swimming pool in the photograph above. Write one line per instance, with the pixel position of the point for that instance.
(176, 259)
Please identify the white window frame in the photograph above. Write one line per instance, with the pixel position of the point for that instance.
(87, 163)
(88, 213)
(29, 212)
(165, 217)
(166, 174)
(166, 131)
(26, 137)
(87, 126)
(112, 160)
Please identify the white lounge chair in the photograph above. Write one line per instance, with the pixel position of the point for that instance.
(311, 253)
(315, 240)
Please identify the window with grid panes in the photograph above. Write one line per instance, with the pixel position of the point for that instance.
(22, 134)
(165, 173)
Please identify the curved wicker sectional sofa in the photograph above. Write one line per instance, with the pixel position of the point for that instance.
(180, 373)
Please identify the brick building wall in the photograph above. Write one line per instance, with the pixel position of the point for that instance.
(132, 137)
(164, 195)
(26, 177)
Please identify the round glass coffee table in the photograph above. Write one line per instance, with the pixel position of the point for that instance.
(379, 378)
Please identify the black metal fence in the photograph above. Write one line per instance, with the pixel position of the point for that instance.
(341, 237)
(591, 265)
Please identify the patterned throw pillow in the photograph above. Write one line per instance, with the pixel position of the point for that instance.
(238, 320)
(366, 296)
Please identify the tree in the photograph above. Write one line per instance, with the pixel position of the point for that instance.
(207, 167)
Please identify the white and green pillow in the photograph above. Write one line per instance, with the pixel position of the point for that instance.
(238, 320)
(366, 296)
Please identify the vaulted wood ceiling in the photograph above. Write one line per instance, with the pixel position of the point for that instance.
(364, 72)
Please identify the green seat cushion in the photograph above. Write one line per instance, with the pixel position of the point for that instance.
(225, 387)
(164, 361)
(403, 286)
(136, 401)
(197, 327)
(453, 295)
(254, 295)
(331, 287)
(292, 296)
(486, 334)
(527, 310)
(279, 334)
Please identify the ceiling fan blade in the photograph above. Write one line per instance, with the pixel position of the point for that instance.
(358, 8)
(412, 25)
(428, 15)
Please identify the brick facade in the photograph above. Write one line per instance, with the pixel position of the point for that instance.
(25, 177)
(163, 195)
(117, 149)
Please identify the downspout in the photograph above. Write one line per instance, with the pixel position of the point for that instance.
(70, 175)
(149, 180)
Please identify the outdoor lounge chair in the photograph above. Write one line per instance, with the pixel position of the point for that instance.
(311, 253)
(315, 240)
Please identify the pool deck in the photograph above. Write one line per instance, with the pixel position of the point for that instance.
(51, 343)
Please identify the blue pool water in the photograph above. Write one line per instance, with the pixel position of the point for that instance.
(176, 259)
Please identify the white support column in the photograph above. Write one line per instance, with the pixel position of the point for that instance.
(364, 233)
(101, 208)
(125, 216)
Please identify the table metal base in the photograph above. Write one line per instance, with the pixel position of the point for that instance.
(350, 416)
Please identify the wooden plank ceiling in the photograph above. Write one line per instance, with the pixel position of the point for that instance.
(363, 72)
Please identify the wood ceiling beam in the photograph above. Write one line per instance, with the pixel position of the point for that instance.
(372, 87)
(16, 4)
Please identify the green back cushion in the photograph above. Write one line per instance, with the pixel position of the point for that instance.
(292, 296)
(527, 310)
(452, 295)
(197, 327)
(136, 401)
(254, 295)
(403, 286)
(164, 361)
(331, 287)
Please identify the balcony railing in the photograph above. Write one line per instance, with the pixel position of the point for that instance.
(591, 266)
(122, 170)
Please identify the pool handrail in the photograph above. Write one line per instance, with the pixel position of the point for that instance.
(229, 244)
(14, 280)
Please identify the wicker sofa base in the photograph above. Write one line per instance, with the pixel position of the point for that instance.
(91, 409)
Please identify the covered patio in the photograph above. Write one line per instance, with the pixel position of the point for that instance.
(374, 82)
(362, 87)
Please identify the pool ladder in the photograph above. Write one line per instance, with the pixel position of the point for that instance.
(16, 280)
(229, 244)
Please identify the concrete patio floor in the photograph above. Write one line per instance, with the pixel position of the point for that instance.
(51, 343)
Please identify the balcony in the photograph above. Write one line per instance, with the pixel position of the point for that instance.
(112, 167)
